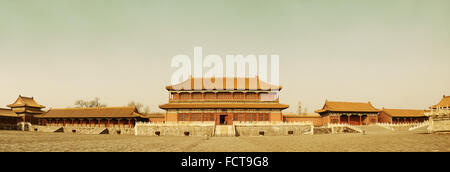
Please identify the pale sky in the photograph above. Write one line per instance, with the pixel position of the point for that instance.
(394, 53)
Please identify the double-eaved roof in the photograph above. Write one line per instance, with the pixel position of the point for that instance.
(302, 115)
(445, 102)
(347, 107)
(97, 112)
(25, 102)
(223, 83)
(224, 105)
(404, 112)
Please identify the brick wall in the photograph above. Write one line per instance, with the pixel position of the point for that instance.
(317, 121)
(384, 118)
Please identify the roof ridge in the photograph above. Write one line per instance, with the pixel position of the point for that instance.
(26, 97)
(235, 79)
(112, 107)
(27, 101)
(401, 109)
(348, 102)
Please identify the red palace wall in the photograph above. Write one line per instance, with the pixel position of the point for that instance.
(317, 121)
(229, 117)
(384, 118)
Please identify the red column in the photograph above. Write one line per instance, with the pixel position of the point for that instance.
(360, 119)
(348, 119)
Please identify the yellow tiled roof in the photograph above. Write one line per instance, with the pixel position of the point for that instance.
(239, 84)
(25, 101)
(223, 105)
(445, 102)
(98, 112)
(347, 107)
(405, 112)
(7, 113)
(302, 115)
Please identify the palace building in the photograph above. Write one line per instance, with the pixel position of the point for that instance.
(397, 116)
(246, 102)
(92, 117)
(8, 119)
(224, 100)
(352, 113)
(441, 109)
(27, 110)
(443, 104)
(439, 116)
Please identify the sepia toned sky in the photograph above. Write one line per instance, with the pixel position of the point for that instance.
(394, 53)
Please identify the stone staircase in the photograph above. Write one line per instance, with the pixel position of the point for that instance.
(225, 131)
(421, 127)
(374, 129)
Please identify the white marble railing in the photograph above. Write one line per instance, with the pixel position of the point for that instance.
(190, 123)
(439, 111)
(330, 125)
(420, 125)
(411, 125)
(400, 124)
(271, 123)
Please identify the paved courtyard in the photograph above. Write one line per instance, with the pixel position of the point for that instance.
(17, 141)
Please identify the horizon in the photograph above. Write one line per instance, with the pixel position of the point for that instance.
(394, 54)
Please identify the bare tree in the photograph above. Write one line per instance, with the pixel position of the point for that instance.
(299, 110)
(89, 104)
(140, 107)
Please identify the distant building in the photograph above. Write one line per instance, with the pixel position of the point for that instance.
(441, 109)
(8, 119)
(396, 116)
(353, 113)
(241, 101)
(27, 110)
(92, 117)
(443, 104)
